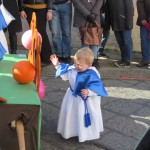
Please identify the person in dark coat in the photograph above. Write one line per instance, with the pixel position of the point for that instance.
(15, 25)
(87, 10)
(119, 15)
(42, 9)
(106, 33)
(143, 20)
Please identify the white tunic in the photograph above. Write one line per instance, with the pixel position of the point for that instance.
(71, 117)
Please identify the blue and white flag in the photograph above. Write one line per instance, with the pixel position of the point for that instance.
(5, 17)
(3, 42)
(2, 51)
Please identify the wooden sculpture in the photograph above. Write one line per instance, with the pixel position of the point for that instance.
(34, 52)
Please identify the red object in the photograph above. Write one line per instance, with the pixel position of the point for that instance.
(23, 72)
(134, 77)
(147, 26)
(3, 100)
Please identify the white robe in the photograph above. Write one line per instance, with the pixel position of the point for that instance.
(71, 117)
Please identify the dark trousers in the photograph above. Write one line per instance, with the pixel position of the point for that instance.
(13, 42)
(12, 39)
(41, 27)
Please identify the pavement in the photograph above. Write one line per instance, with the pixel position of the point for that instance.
(125, 111)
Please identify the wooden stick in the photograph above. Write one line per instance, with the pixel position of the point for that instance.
(20, 134)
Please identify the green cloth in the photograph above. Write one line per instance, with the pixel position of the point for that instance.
(14, 92)
(10, 89)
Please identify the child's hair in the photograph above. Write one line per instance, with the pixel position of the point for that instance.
(85, 54)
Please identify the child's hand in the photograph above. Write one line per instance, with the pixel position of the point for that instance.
(54, 60)
(84, 93)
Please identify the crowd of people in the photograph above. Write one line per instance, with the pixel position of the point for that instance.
(80, 113)
(58, 13)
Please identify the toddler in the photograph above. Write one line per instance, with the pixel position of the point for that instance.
(80, 113)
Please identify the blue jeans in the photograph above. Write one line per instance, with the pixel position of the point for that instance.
(93, 48)
(124, 40)
(145, 44)
(60, 27)
(105, 35)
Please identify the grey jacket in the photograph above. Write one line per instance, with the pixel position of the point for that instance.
(82, 8)
(119, 14)
(143, 8)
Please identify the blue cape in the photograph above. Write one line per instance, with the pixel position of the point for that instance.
(84, 80)
(89, 80)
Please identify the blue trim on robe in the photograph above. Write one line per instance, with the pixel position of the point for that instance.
(63, 68)
(2, 21)
(2, 51)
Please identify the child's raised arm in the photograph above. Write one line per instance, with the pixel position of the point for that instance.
(54, 60)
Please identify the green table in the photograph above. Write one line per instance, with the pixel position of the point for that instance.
(23, 103)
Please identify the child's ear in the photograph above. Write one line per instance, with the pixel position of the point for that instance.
(90, 65)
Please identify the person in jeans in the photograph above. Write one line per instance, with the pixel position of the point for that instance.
(15, 25)
(87, 10)
(143, 20)
(119, 15)
(60, 26)
(106, 32)
(105, 36)
(41, 9)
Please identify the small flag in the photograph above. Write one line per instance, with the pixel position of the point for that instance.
(2, 51)
(3, 41)
(5, 17)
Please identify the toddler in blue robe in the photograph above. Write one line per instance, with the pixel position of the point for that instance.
(80, 113)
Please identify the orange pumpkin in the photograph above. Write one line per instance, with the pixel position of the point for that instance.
(23, 72)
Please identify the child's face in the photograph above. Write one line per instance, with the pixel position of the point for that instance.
(80, 65)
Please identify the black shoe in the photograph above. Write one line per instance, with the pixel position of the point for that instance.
(103, 55)
(96, 63)
(60, 58)
(121, 63)
(142, 64)
(67, 60)
(13, 52)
